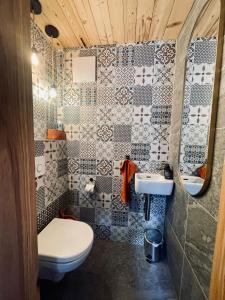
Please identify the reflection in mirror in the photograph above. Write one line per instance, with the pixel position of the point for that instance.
(198, 97)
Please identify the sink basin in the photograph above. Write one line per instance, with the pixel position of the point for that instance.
(192, 184)
(154, 184)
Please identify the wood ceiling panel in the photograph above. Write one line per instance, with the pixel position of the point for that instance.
(100, 13)
(210, 17)
(161, 14)
(130, 19)
(177, 18)
(71, 15)
(117, 20)
(52, 12)
(144, 19)
(98, 22)
(84, 11)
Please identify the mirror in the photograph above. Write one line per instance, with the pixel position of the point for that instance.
(199, 111)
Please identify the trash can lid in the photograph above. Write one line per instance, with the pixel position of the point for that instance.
(153, 236)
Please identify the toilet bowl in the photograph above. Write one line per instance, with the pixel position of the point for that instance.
(63, 245)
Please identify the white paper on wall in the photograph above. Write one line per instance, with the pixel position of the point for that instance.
(84, 69)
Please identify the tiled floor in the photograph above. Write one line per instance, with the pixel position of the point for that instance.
(113, 271)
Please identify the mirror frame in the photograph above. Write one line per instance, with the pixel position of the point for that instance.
(215, 97)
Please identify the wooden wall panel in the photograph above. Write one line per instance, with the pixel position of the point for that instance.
(18, 233)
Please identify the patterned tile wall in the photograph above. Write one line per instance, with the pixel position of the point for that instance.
(50, 156)
(126, 111)
(197, 103)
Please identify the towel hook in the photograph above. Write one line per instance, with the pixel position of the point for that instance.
(128, 157)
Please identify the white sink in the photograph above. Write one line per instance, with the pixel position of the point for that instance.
(192, 184)
(155, 184)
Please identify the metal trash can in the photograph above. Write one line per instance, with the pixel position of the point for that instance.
(153, 241)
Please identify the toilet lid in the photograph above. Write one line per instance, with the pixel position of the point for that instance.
(64, 240)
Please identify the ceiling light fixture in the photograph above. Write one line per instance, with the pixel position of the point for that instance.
(53, 33)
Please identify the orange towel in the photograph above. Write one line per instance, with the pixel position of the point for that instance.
(54, 134)
(127, 170)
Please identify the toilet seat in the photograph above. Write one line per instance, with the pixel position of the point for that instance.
(64, 241)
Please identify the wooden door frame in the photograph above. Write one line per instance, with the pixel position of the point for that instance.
(18, 230)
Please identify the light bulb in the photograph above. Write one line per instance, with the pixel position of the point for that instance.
(52, 92)
(34, 58)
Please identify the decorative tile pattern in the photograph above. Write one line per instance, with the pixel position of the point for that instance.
(103, 216)
(72, 132)
(124, 95)
(104, 150)
(88, 132)
(140, 151)
(121, 150)
(162, 95)
(106, 76)
(136, 237)
(102, 232)
(88, 166)
(73, 148)
(142, 95)
(104, 114)
(144, 55)
(122, 114)
(105, 95)
(205, 51)
(104, 133)
(119, 218)
(145, 75)
(73, 165)
(119, 234)
(104, 167)
(71, 115)
(104, 200)
(141, 133)
(106, 57)
(39, 148)
(62, 167)
(161, 114)
(124, 76)
(87, 115)
(87, 215)
(104, 184)
(142, 115)
(117, 204)
(88, 94)
(201, 95)
(125, 55)
(122, 133)
(87, 150)
(165, 53)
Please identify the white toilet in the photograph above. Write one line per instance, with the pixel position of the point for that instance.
(63, 245)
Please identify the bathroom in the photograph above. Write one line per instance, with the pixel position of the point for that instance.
(112, 155)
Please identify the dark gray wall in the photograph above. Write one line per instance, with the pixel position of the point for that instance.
(191, 222)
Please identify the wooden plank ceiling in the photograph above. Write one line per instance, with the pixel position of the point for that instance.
(101, 22)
